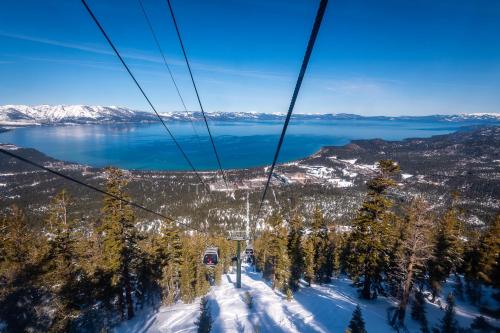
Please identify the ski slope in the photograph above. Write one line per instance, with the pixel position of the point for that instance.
(326, 308)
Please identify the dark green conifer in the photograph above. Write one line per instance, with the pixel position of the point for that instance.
(61, 273)
(21, 251)
(367, 245)
(169, 254)
(489, 255)
(448, 323)
(418, 311)
(277, 260)
(319, 237)
(357, 324)
(308, 248)
(447, 253)
(204, 321)
(119, 240)
(295, 252)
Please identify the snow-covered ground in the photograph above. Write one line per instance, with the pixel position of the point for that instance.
(326, 308)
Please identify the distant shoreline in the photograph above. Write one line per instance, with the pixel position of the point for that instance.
(7, 145)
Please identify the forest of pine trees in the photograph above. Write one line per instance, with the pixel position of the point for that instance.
(75, 274)
(396, 248)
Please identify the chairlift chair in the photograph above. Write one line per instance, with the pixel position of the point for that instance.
(211, 256)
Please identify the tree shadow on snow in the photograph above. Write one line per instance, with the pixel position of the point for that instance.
(331, 312)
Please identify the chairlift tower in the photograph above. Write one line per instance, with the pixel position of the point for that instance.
(238, 236)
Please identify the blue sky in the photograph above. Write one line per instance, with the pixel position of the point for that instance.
(372, 57)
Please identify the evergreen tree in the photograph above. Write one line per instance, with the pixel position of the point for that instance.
(169, 254)
(480, 324)
(295, 252)
(368, 247)
(319, 237)
(308, 249)
(193, 273)
(357, 324)
(448, 323)
(418, 311)
(20, 254)
(278, 259)
(333, 255)
(415, 251)
(61, 273)
(489, 255)
(119, 239)
(188, 270)
(15, 250)
(147, 288)
(204, 321)
(446, 255)
(261, 252)
(470, 267)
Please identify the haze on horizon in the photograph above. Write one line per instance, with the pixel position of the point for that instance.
(371, 57)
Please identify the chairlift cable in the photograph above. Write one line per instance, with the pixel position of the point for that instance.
(143, 93)
(312, 39)
(196, 91)
(167, 66)
(79, 182)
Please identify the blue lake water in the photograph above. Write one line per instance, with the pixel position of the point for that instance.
(240, 144)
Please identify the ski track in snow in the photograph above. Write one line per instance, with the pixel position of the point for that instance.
(320, 308)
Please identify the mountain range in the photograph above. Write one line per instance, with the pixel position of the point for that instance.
(24, 115)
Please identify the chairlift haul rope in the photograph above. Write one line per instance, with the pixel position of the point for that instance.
(96, 21)
(79, 182)
(196, 90)
(310, 45)
(160, 49)
(305, 62)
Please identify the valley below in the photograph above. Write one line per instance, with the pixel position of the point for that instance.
(466, 162)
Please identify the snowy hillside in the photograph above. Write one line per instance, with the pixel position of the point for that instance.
(326, 308)
(24, 115)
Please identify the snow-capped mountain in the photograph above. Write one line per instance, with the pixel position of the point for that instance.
(72, 114)
(24, 115)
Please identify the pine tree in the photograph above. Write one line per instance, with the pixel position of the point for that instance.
(470, 267)
(448, 323)
(447, 254)
(357, 324)
(480, 324)
(193, 273)
(295, 252)
(278, 259)
(15, 251)
(418, 311)
(333, 254)
(204, 321)
(169, 256)
(367, 245)
(308, 249)
(188, 270)
(61, 272)
(319, 237)
(261, 253)
(415, 250)
(119, 239)
(20, 255)
(489, 254)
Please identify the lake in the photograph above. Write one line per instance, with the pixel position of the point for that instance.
(240, 143)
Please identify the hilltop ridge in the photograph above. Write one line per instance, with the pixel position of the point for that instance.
(25, 115)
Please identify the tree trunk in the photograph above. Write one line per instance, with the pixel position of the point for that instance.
(366, 293)
(406, 291)
(128, 293)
